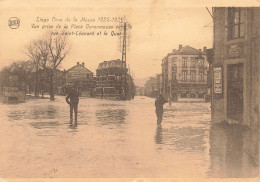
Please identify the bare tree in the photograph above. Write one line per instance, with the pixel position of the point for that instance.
(58, 48)
(48, 53)
(34, 55)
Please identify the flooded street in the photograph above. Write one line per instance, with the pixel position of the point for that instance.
(121, 139)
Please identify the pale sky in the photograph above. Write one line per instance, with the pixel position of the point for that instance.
(157, 28)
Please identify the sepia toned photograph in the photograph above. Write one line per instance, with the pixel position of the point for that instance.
(137, 91)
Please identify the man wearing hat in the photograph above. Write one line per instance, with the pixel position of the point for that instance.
(73, 99)
(159, 102)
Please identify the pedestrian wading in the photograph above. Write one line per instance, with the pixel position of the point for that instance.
(73, 99)
(159, 102)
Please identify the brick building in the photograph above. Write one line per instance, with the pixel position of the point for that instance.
(184, 73)
(80, 77)
(110, 81)
(235, 70)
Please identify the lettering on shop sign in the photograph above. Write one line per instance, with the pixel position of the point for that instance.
(218, 80)
(235, 50)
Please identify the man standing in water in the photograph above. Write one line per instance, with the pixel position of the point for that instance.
(159, 102)
(73, 99)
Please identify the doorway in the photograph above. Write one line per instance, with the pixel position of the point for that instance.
(235, 92)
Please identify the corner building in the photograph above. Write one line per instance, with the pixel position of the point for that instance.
(111, 82)
(235, 67)
(184, 73)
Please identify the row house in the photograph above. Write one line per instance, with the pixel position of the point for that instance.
(81, 78)
(184, 73)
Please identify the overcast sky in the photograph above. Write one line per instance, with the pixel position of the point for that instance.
(157, 28)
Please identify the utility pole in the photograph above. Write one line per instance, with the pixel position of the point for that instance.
(123, 45)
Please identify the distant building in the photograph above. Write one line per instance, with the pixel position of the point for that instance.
(235, 78)
(184, 73)
(110, 80)
(152, 87)
(80, 77)
(139, 91)
(13, 90)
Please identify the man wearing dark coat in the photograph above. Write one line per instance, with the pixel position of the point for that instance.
(73, 99)
(159, 102)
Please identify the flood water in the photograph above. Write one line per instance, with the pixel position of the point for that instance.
(121, 139)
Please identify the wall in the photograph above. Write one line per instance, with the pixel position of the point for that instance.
(250, 60)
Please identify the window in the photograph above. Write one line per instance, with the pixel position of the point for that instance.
(174, 68)
(184, 75)
(200, 63)
(174, 59)
(184, 62)
(192, 75)
(200, 76)
(111, 77)
(193, 65)
(236, 23)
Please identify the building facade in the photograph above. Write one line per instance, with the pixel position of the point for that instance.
(80, 77)
(111, 81)
(184, 73)
(235, 68)
(13, 90)
(152, 87)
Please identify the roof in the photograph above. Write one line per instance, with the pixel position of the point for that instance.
(79, 66)
(110, 64)
(187, 50)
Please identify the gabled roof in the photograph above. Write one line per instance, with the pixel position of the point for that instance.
(187, 50)
(79, 66)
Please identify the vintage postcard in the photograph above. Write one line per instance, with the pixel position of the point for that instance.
(129, 90)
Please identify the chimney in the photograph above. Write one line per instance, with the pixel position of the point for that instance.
(204, 49)
(174, 51)
(180, 47)
(83, 64)
(199, 49)
(77, 63)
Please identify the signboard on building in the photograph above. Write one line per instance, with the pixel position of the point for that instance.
(235, 50)
(218, 80)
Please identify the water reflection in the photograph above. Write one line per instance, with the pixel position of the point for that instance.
(111, 116)
(109, 104)
(233, 152)
(16, 114)
(158, 136)
(73, 127)
(43, 124)
(33, 112)
(40, 112)
(182, 138)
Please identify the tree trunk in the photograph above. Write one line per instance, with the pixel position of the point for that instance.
(36, 89)
(52, 85)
